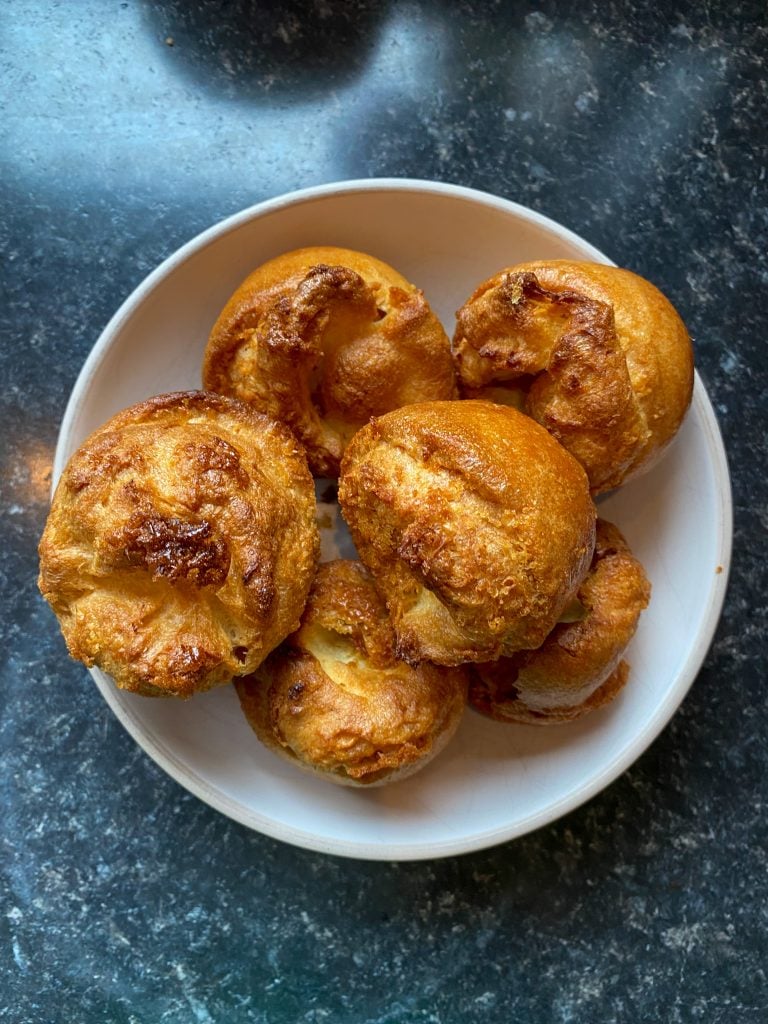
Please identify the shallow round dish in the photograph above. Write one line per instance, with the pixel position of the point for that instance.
(494, 781)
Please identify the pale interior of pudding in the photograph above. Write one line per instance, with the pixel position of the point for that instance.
(427, 608)
(511, 394)
(343, 663)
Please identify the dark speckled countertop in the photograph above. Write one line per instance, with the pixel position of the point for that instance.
(126, 129)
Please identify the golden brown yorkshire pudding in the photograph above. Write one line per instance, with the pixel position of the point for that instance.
(181, 543)
(578, 667)
(324, 338)
(475, 523)
(595, 354)
(335, 699)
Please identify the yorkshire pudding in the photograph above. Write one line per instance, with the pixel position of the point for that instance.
(595, 354)
(578, 667)
(181, 543)
(475, 523)
(324, 338)
(336, 700)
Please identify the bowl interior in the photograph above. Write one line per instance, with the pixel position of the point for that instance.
(493, 781)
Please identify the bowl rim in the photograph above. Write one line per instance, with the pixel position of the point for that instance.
(388, 851)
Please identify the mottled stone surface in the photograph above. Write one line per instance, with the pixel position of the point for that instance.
(127, 128)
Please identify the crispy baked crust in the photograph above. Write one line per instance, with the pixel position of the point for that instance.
(594, 353)
(181, 543)
(324, 338)
(336, 700)
(578, 667)
(475, 523)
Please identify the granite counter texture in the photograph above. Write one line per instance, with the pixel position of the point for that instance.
(129, 127)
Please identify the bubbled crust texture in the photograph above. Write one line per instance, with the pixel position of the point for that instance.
(324, 338)
(334, 698)
(476, 525)
(578, 667)
(181, 543)
(603, 360)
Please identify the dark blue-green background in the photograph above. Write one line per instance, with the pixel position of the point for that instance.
(125, 129)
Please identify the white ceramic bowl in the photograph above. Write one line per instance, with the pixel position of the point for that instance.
(494, 781)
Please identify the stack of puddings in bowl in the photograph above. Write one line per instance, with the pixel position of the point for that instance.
(181, 550)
